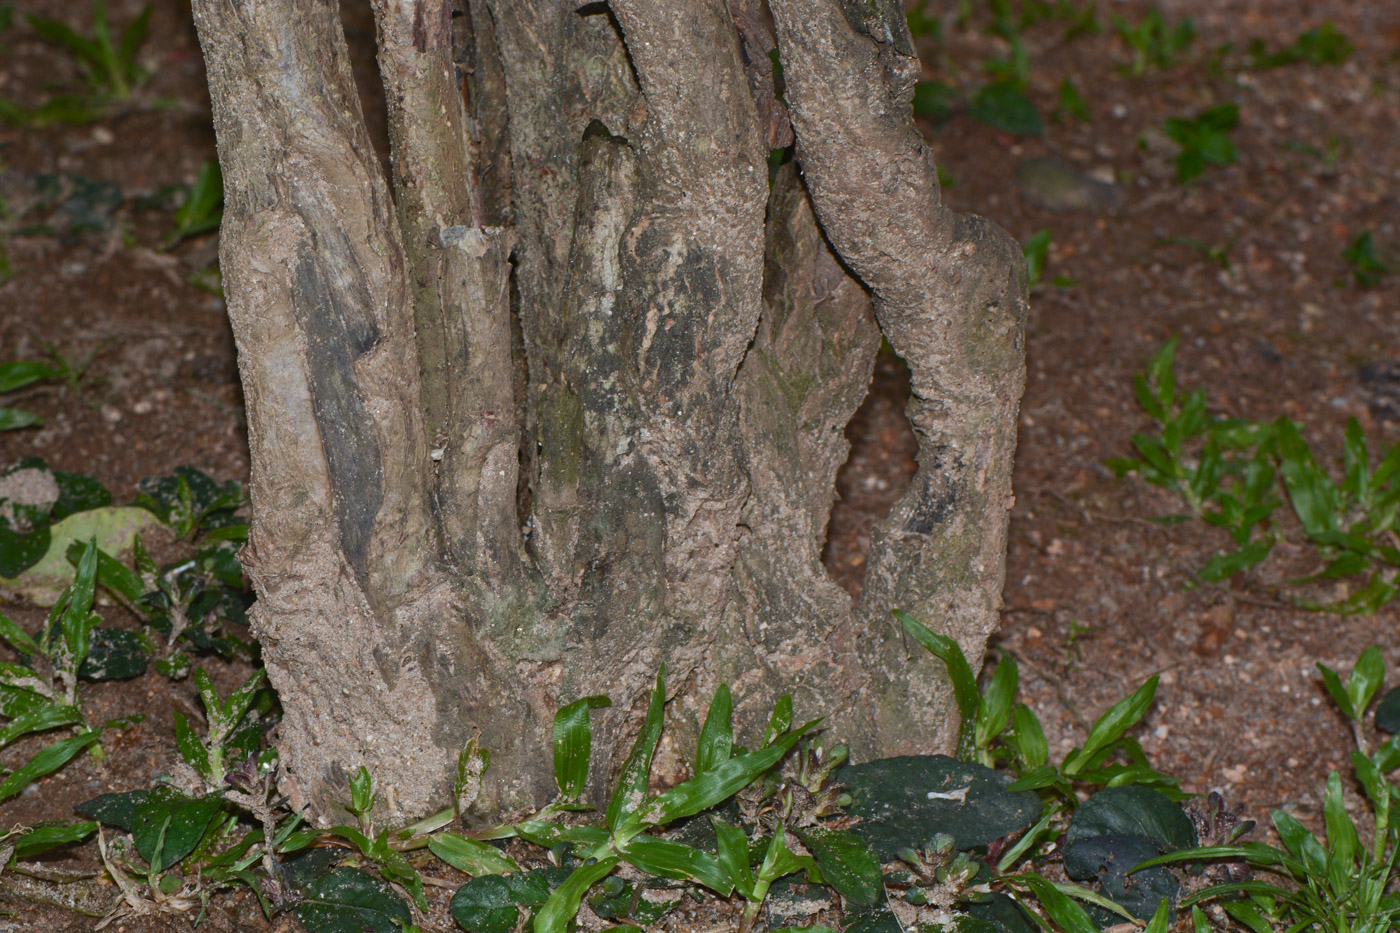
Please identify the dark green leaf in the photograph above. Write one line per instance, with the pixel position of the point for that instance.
(117, 810)
(78, 493)
(19, 552)
(1366, 679)
(12, 419)
(733, 847)
(115, 654)
(167, 825)
(908, 801)
(348, 900)
(847, 863)
(1388, 711)
(1338, 692)
(1005, 107)
(19, 373)
(1108, 859)
(1132, 811)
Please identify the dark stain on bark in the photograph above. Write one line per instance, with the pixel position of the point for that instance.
(420, 26)
(936, 500)
(334, 317)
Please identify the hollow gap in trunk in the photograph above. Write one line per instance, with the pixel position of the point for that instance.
(877, 472)
(357, 19)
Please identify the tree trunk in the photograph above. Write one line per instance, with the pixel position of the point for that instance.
(453, 534)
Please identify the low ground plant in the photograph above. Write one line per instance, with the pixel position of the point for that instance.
(1235, 474)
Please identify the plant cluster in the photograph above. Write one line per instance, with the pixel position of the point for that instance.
(108, 65)
(1234, 474)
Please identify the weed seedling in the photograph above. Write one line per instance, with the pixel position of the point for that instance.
(109, 67)
(1367, 268)
(1204, 140)
(1321, 46)
(1156, 44)
(202, 208)
(17, 375)
(1037, 250)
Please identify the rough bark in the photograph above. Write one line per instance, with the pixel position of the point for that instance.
(692, 344)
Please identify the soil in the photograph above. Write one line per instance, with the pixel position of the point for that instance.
(1098, 596)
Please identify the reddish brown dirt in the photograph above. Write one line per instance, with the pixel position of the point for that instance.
(1097, 595)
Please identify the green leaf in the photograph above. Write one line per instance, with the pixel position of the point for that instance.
(114, 654)
(1132, 811)
(471, 856)
(77, 620)
(241, 699)
(847, 864)
(131, 39)
(1110, 860)
(1338, 692)
(636, 770)
(717, 735)
(780, 720)
(1058, 907)
(1027, 737)
(997, 701)
(55, 31)
(714, 786)
(1226, 565)
(573, 745)
(1005, 107)
(117, 810)
(1122, 716)
(550, 835)
(562, 905)
(491, 904)
(19, 373)
(1161, 918)
(1388, 712)
(45, 762)
(732, 843)
(348, 900)
(167, 825)
(41, 837)
(18, 638)
(1365, 679)
(1313, 496)
(959, 672)
(39, 720)
(188, 744)
(112, 574)
(671, 859)
(12, 419)
(1341, 832)
(779, 860)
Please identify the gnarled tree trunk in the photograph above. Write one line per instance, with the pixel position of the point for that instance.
(453, 534)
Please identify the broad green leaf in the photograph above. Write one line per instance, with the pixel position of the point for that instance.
(636, 770)
(671, 859)
(1223, 566)
(1247, 914)
(115, 654)
(1365, 679)
(117, 810)
(717, 735)
(997, 701)
(573, 744)
(1311, 491)
(12, 419)
(562, 905)
(1341, 832)
(1122, 716)
(1132, 811)
(1338, 692)
(112, 574)
(846, 863)
(348, 900)
(959, 672)
(19, 373)
(1027, 737)
(167, 825)
(1357, 463)
(46, 761)
(550, 835)
(732, 844)
(779, 860)
(470, 855)
(39, 720)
